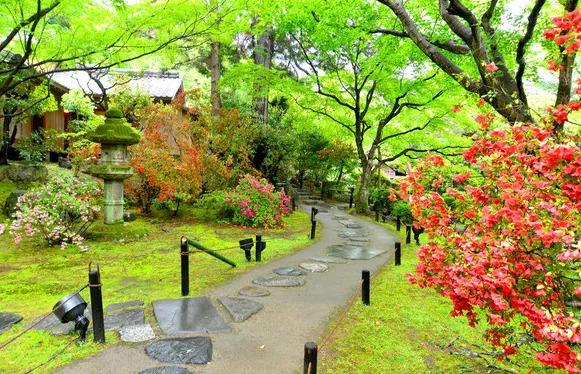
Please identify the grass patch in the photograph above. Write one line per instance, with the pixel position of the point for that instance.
(407, 329)
(138, 260)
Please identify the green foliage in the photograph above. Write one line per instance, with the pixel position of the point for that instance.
(35, 147)
(401, 208)
(131, 103)
(77, 102)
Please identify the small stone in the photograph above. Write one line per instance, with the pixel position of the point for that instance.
(7, 320)
(129, 217)
(278, 281)
(65, 163)
(11, 201)
(292, 271)
(196, 350)
(253, 291)
(314, 267)
(136, 333)
(166, 370)
(129, 317)
(240, 309)
(328, 260)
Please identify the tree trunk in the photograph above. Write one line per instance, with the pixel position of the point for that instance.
(6, 138)
(262, 55)
(362, 198)
(215, 69)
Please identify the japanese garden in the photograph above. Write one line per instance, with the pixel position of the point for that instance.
(234, 186)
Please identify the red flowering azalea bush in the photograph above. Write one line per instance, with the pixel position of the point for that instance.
(506, 250)
(255, 204)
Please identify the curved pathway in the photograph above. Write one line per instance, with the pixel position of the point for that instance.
(272, 340)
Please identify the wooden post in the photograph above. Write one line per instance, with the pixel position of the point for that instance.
(398, 224)
(408, 234)
(351, 191)
(97, 305)
(185, 256)
(260, 246)
(310, 361)
(365, 276)
(397, 253)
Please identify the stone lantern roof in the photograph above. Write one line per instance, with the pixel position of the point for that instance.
(115, 130)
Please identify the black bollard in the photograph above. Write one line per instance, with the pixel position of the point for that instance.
(185, 255)
(365, 276)
(408, 234)
(313, 229)
(322, 190)
(97, 305)
(398, 224)
(260, 246)
(351, 191)
(314, 212)
(397, 253)
(376, 215)
(310, 366)
(246, 245)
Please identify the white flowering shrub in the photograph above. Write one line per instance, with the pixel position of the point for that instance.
(59, 212)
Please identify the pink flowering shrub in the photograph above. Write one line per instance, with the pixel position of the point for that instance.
(254, 203)
(59, 212)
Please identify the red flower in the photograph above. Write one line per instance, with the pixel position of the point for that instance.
(491, 67)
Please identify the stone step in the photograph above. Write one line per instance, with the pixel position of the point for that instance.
(196, 350)
(240, 309)
(7, 320)
(188, 315)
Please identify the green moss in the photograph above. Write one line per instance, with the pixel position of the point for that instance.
(407, 329)
(138, 260)
(115, 130)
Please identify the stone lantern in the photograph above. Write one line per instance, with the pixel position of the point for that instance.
(113, 167)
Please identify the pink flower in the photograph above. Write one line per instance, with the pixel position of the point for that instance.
(244, 203)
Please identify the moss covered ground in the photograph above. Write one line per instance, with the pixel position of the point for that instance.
(139, 260)
(407, 329)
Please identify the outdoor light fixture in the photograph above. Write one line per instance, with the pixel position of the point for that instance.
(71, 308)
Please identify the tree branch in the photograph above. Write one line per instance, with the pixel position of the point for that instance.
(448, 45)
(434, 150)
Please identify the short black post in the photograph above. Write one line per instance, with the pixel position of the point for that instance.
(376, 215)
(313, 228)
(260, 246)
(185, 255)
(310, 366)
(97, 305)
(322, 190)
(397, 253)
(246, 245)
(365, 276)
(351, 191)
(408, 234)
(398, 223)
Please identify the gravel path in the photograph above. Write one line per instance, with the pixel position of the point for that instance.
(272, 340)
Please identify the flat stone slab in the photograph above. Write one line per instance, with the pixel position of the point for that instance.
(353, 252)
(196, 350)
(123, 318)
(136, 333)
(292, 271)
(183, 316)
(328, 260)
(314, 267)
(113, 308)
(166, 370)
(313, 202)
(8, 319)
(253, 291)
(279, 281)
(351, 234)
(53, 326)
(240, 309)
(359, 239)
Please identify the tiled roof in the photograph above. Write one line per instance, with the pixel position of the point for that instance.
(159, 85)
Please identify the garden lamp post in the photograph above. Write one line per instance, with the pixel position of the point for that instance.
(115, 135)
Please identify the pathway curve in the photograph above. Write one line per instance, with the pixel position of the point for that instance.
(271, 341)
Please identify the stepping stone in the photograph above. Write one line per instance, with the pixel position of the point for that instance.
(359, 240)
(292, 271)
(328, 260)
(122, 306)
(339, 217)
(278, 281)
(314, 267)
(7, 320)
(182, 316)
(312, 202)
(351, 234)
(54, 326)
(123, 318)
(240, 309)
(196, 350)
(352, 252)
(166, 370)
(253, 291)
(136, 333)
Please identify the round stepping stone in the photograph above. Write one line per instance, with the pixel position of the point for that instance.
(292, 271)
(7, 320)
(314, 267)
(166, 370)
(240, 309)
(196, 350)
(329, 260)
(136, 333)
(253, 291)
(279, 281)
